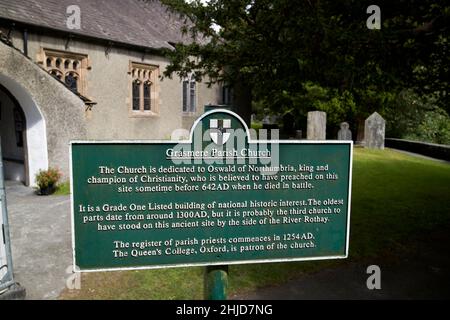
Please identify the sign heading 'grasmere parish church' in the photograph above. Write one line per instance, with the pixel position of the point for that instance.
(218, 198)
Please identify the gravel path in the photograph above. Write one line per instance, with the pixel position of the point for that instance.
(40, 240)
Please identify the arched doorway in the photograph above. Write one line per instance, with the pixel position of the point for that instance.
(23, 133)
(12, 132)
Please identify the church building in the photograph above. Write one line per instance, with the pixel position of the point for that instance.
(88, 70)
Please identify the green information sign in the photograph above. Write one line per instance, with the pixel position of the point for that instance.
(217, 198)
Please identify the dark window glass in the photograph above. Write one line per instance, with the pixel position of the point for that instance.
(56, 74)
(136, 97)
(147, 96)
(224, 95)
(227, 95)
(49, 62)
(192, 97)
(19, 123)
(19, 139)
(185, 95)
(71, 82)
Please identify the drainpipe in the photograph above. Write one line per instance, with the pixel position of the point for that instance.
(25, 42)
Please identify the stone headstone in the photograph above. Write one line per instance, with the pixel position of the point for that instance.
(344, 133)
(316, 126)
(270, 119)
(374, 131)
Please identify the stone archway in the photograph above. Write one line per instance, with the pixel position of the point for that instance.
(35, 137)
(54, 114)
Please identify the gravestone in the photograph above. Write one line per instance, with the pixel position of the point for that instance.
(270, 120)
(316, 126)
(344, 133)
(374, 131)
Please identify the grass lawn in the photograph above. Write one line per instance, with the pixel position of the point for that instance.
(395, 197)
(62, 189)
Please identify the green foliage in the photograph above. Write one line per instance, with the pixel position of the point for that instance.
(338, 106)
(431, 77)
(256, 126)
(403, 114)
(435, 128)
(414, 117)
(63, 189)
(280, 47)
(48, 178)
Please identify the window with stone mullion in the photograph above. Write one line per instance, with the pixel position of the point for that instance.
(192, 102)
(143, 90)
(189, 95)
(65, 69)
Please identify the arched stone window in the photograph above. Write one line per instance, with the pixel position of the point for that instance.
(56, 73)
(144, 89)
(68, 67)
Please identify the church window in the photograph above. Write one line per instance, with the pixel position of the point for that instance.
(189, 95)
(68, 67)
(144, 89)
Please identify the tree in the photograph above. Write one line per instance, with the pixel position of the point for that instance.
(275, 51)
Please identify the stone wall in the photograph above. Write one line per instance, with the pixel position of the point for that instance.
(54, 115)
(108, 84)
(438, 151)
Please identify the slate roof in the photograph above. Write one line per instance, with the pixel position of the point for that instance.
(134, 22)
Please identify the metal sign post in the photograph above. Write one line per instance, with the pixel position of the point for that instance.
(6, 275)
(8, 288)
(216, 277)
(216, 283)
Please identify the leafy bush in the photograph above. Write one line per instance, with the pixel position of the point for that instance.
(48, 178)
(435, 128)
(339, 107)
(415, 117)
